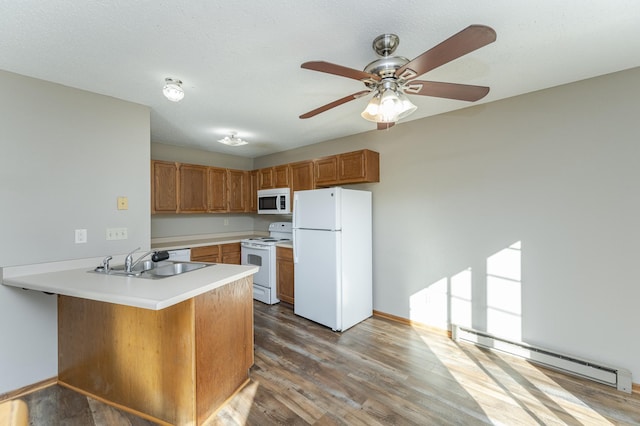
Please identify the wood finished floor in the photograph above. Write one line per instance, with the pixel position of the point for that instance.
(377, 373)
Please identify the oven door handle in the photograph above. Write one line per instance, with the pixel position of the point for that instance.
(255, 247)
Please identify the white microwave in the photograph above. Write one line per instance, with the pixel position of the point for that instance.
(274, 201)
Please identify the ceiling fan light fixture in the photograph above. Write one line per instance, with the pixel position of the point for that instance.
(172, 89)
(371, 111)
(233, 140)
(388, 106)
(406, 106)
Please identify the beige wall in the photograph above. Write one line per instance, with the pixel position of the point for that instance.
(520, 217)
(65, 157)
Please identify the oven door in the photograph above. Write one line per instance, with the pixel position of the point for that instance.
(252, 254)
(264, 281)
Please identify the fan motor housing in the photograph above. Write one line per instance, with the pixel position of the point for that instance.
(386, 67)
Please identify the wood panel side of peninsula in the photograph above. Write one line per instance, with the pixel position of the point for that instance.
(177, 365)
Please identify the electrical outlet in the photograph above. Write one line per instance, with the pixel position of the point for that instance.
(81, 236)
(117, 234)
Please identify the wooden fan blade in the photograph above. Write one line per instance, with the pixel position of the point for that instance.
(462, 92)
(385, 126)
(471, 38)
(339, 70)
(335, 104)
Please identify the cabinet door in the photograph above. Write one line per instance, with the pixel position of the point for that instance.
(326, 171)
(284, 274)
(164, 188)
(281, 176)
(359, 166)
(236, 186)
(251, 191)
(218, 190)
(302, 176)
(206, 254)
(193, 188)
(265, 178)
(230, 253)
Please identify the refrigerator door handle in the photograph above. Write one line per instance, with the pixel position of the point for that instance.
(295, 250)
(295, 208)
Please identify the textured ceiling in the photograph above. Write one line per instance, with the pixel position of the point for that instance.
(240, 60)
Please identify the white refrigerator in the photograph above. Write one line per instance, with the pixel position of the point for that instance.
(332, 255)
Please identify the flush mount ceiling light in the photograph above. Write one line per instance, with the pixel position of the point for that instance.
(173, 89)
(232, 140)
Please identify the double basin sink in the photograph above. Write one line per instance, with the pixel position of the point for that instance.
(154, 270)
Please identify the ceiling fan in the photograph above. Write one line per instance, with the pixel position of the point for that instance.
(390, 77)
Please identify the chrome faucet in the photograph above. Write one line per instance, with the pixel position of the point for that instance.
(129, 263)
(105, 264)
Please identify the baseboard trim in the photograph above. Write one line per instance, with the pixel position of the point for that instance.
(412, 323)
(18, 393)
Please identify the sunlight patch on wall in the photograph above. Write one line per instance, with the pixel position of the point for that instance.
(429, 305)
(461, 298)
(504, 293)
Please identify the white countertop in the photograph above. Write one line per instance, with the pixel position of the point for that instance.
(152, 294)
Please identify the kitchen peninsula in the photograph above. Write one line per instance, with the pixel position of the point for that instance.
(172, 350)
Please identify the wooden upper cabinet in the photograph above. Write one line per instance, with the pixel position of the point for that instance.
(236, 189)
(164, 188)
(251, 191)
(281, 176)
(359, 166)
(218, 201)
(352, 167)
(266, 179)
(189, 188)
(192, 194)
(326, 171)
(301, 177)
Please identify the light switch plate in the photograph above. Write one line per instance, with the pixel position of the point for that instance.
(123, 203)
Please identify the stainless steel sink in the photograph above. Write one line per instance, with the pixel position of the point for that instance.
(154, 270)
(176, 268)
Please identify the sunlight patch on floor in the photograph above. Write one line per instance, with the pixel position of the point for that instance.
(497, 385)
(236, 411)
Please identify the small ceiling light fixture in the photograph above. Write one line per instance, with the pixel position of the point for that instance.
(232, 140)
(173, 89)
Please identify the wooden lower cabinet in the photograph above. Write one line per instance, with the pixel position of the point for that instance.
(230, 253)
(284, 274)
(175, 366)
(206, 254)
(218, 253)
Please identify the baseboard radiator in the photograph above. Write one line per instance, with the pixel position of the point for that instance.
(619, 378)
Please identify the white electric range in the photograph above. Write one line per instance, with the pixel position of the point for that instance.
(261, 251)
